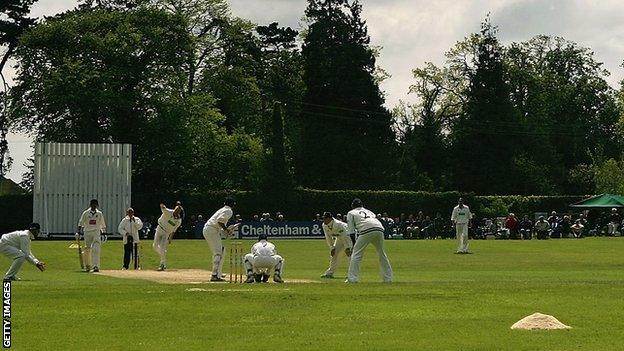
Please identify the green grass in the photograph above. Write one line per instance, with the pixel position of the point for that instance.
(440, 301)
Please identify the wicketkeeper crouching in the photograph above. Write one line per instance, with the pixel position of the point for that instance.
(16, 246)
(129, 229)
(263, 261)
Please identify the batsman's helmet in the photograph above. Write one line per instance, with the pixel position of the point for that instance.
(262, 237)
(356, 203)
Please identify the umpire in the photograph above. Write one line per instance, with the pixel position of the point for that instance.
(129, 229)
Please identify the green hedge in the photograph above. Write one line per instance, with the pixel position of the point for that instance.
(303, 204)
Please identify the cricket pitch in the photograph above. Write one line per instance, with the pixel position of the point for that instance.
(178, 276)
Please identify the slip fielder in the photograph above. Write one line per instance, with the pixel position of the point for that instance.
(338, 240)
(369, 231)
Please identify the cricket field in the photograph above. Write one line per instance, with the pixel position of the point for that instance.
(440, 301)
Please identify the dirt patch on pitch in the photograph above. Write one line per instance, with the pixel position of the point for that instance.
(178, 276)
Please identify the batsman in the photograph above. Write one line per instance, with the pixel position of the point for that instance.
(92, 225)
(129, 229)
(214, 227)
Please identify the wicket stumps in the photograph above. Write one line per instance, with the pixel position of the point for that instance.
(136, 257)
(237, 271)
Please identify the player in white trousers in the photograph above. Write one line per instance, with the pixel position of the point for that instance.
(263, 261)
(369, 231)
(213, 228)
(16, 246)
(92, 225)
(168, 222)
(461, 217)
(338, 240)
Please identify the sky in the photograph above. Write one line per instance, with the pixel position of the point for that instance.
(412, 32)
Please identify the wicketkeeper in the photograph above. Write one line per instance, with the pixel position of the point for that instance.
(129, 229)
(338, 240)
(263, 261)
(16, 246)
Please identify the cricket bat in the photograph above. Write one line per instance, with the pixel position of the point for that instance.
(80, 257)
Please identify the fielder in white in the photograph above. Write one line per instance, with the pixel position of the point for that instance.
(370, 231)
(168, 222)
(16, 246)
(338, 240)
(92, 225)
(263, 261)
(461, 217)
(213, 228)
(129, 229)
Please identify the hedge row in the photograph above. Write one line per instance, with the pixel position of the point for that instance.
(303, 204)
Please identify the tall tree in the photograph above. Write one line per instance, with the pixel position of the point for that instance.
(481, 141)
(13, 23)
(568, 109)
(102, 75)
(277, 178)
(281, 80)
(344, 124)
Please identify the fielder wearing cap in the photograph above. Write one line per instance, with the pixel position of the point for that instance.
(213, 228)
(369, 231)
(92, 225)
(263, 261)
(338, 240)
(16, 246)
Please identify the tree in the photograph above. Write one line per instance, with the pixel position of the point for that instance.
(277, 180)
(422, 127)
(281, 80)
(101, 75)
(609, 176)
(344, 125)
(13, 23)
(567, 108)
(481, 143)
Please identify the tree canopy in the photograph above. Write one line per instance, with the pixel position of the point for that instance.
(212, 101)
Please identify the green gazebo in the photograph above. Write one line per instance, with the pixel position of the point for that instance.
(601, 201)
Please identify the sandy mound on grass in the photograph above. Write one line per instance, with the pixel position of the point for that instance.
(539, 321)
(176, 276)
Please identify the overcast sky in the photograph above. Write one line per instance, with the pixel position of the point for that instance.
(412, 32)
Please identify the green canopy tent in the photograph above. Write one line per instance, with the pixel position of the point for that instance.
(601, 201)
